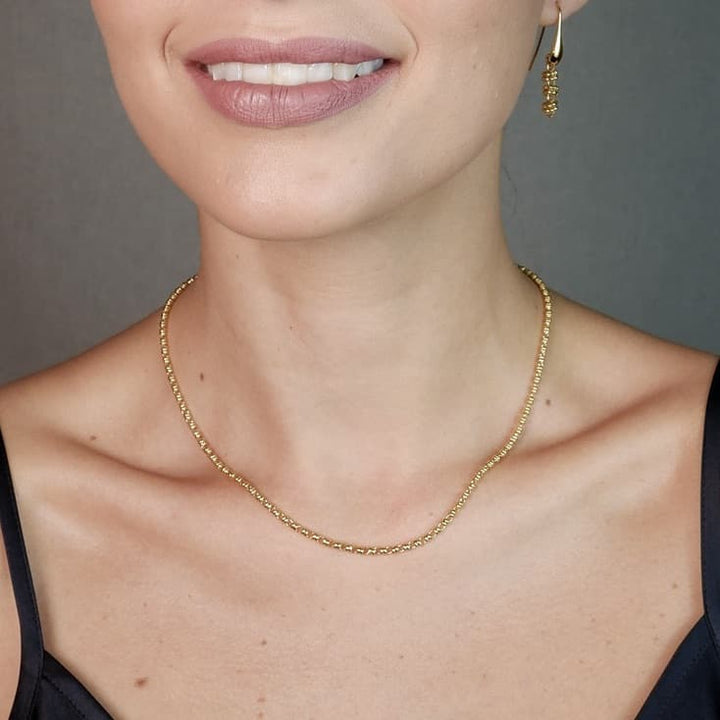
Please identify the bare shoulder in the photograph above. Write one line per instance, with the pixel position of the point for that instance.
(93, 404)
(626, 411)
(621, 415)
(609, 369)
(74, 434)
(89, 385)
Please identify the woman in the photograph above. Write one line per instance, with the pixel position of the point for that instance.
(357, 344)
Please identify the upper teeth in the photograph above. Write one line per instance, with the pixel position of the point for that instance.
(291, 73)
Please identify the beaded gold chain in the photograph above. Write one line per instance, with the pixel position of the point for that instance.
(286, 519)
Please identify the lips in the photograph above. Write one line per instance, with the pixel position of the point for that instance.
(303, 50)
(277, 106)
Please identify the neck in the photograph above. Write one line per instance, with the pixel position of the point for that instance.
(364, 359)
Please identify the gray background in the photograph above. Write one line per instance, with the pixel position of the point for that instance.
(615, 202)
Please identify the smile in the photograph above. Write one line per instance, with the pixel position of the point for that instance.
(290, 73)
(257, 83)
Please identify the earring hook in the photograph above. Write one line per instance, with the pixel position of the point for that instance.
(557, 51)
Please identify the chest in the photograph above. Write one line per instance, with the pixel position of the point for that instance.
(536, 632)
(561, 594)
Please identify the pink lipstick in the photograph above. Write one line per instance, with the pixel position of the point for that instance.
(219, 71)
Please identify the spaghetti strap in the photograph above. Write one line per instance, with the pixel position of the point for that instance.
(32, 649)
(710, 509)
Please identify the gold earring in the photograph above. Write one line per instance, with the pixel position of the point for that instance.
(550, 74)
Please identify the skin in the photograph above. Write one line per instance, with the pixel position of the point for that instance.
(358, 343)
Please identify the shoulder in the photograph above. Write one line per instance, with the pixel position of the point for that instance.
(630, 415)
(60, 428)
(71, 430)
(84, 403)
(622, 403)
(610, 365)
(86, 436)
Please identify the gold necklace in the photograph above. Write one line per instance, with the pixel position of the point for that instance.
(282, 516)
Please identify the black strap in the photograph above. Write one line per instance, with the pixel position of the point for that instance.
(710, 509)
(31, 662)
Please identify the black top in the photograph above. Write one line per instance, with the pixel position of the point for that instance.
(688, 689)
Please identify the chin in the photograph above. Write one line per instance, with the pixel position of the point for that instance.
(288, 216)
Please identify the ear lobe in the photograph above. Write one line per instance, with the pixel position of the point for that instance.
(549, 14)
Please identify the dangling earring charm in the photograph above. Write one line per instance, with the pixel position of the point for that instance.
(550, 74)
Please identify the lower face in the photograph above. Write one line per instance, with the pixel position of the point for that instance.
(336, 140)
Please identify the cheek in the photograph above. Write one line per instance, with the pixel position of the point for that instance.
(463, 82)
(123, 24)
(132, 33)
(475, 55)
